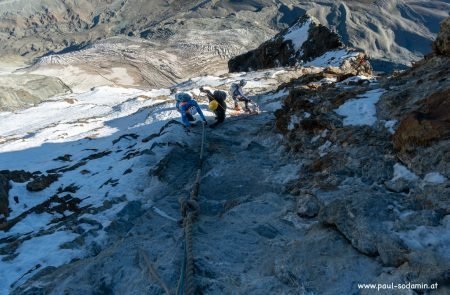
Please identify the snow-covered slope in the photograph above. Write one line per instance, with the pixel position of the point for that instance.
(93, 145)
(95, 177)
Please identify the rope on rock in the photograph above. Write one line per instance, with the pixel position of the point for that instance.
(190, 209)
(148, 266)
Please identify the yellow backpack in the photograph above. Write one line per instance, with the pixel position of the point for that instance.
(213, 105)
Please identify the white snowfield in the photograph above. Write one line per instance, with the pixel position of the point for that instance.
(435, 177)
(33, 138)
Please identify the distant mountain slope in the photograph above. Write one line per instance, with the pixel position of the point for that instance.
(391, 31)
(394, 31)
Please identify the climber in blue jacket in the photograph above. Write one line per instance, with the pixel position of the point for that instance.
(188, 107)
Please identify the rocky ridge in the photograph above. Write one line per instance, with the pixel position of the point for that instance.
(302, 42)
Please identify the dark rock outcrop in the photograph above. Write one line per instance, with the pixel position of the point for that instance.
(419, 100)
(4, 202)
(284, 50)
(19, 176)
(41, 182)
(442, 43)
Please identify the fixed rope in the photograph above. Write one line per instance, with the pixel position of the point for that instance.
(189, 211)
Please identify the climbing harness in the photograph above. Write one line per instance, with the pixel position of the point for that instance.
(189, 211)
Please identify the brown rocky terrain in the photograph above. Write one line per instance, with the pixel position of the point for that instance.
(350, 177)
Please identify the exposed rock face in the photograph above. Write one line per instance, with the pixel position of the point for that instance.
(354, 216)
(442, 43)
(19, 176)
(430, 123)
(418, 100)
(302, 42)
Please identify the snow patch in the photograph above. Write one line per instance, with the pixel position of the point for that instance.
(31, 223)
(390, 126)
(331, 58)
(358, 78)
(360, 111)
(401, 171)
(33, 255)
(426, 237)
(435, 178)
(298, 34)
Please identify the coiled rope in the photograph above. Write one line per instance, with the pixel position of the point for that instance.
(189, 211)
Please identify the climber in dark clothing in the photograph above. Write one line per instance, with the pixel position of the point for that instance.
(238, 95)
(217, 104)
